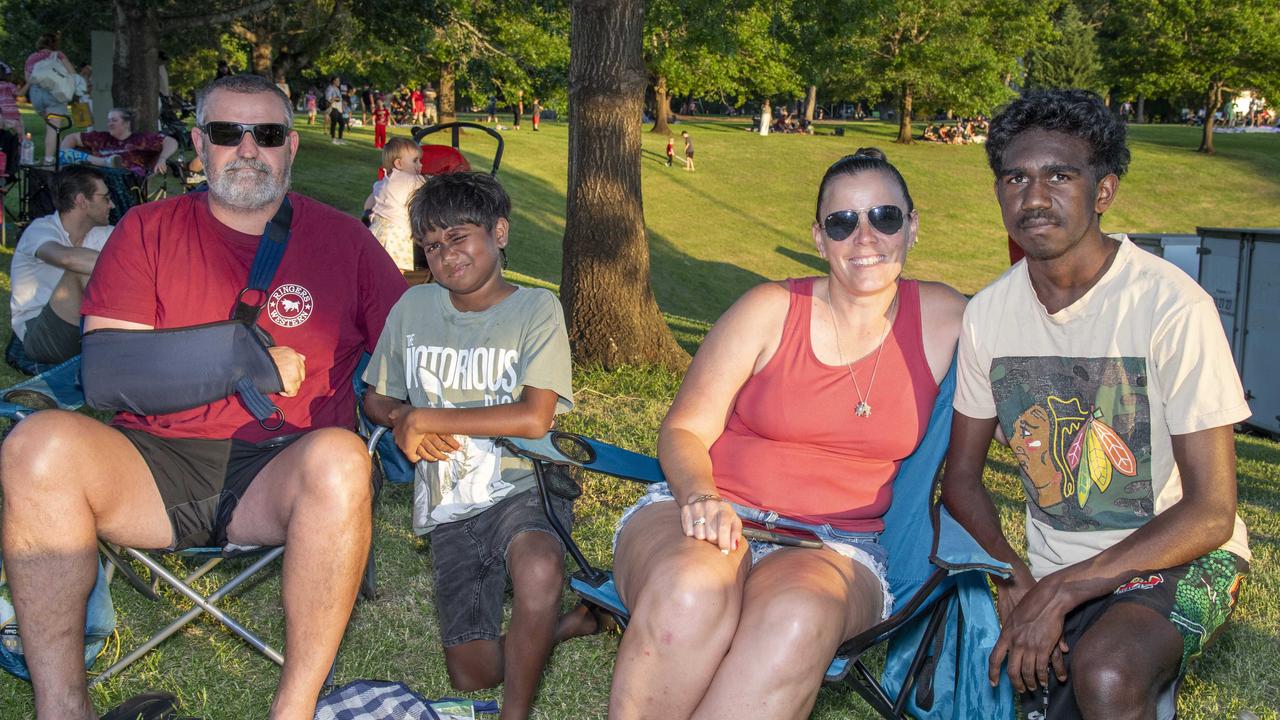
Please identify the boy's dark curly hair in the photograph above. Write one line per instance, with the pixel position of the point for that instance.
(1078, 113)
(452, 199)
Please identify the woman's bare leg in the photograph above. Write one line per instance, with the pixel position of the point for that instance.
(684, 597)
(797, 607)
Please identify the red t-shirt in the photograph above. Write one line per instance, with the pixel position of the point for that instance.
(381, 116)
(793, 444)
(172, 264)
(138, 152)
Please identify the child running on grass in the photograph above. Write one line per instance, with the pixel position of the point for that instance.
(402, 160)
(461, 361)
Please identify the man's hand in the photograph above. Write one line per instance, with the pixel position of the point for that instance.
(292, 367)
(1030, 635)
(418, 444)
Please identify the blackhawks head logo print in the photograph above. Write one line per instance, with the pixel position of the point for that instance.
(289, 306)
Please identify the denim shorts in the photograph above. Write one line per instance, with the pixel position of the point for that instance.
(469, 562)
(863, 548)
(44, 103)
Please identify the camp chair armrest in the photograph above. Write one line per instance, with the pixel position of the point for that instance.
(956, 551)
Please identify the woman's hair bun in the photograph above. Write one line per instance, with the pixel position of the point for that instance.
(873, 153)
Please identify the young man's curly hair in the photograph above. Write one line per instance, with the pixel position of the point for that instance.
(1078, 113)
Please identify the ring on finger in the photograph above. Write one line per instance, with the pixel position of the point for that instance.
(700, 521)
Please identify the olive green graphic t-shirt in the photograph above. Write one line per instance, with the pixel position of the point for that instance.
(433, 355)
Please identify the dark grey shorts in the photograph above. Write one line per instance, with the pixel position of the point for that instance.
(202, 481)
(50, 339)
(469, 558)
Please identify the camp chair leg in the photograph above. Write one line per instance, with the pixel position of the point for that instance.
(866, 685)
(117, 563)
(203, 605)
(937, 618)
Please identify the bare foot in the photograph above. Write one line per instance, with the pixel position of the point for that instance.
(583, 620)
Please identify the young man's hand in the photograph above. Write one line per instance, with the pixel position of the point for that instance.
(1031, 636)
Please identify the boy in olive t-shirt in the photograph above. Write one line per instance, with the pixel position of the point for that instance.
(460, 362)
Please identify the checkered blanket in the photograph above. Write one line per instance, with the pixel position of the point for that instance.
(374, 700)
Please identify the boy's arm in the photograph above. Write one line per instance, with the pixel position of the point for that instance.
(388, 411)
(529, 417)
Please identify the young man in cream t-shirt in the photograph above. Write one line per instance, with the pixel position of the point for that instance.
(1107, 372)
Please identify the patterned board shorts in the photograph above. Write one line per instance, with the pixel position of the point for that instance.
(863, 548)
(1196, 597)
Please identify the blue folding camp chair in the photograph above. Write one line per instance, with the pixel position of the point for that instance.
(59, 387)
(944, 626)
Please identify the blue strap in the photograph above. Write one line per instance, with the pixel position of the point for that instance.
(271, 247)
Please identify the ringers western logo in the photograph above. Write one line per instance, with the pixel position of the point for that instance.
(289, 306)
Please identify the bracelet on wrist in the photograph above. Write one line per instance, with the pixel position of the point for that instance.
(705, 497)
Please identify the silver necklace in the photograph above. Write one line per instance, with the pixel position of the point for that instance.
(863, 408)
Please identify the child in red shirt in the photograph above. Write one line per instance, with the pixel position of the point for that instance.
(381, 116)
(671, 149)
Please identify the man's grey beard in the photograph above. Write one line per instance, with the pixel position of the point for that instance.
(257, 193)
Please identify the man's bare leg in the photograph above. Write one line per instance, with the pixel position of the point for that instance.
(67, 296)
(68, 479)
(314, 497)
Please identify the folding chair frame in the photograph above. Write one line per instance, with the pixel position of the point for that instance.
(847, 666)
(204, 604)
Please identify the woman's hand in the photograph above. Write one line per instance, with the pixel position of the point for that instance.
(708, 517)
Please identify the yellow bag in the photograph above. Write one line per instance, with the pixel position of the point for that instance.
(80, 114)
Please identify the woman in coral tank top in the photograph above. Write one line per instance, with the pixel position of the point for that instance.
(801, 403)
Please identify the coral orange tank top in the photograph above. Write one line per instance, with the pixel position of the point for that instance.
(793, 444)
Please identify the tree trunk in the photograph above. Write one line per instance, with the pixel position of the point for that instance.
(612, 316)
(661, 106)
(260, 59)
(1141, 117)
(447, 96)
(1212, 100)
(904, 117)
(810, 100)
(766, 117)
(135, 62)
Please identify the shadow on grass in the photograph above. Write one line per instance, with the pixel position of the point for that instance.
(807, 259)
(1261, 151)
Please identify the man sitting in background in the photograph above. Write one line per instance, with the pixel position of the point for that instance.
(52, 264)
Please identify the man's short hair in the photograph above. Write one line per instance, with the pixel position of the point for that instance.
(74, 180)
(452, 199)
(398, 147)
(246, 84)
(1078, 113)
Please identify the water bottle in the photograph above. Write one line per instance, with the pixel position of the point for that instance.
(28, 156)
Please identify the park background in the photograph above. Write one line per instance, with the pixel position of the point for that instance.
(742, 218)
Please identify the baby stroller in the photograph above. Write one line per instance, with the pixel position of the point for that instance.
(441, 159)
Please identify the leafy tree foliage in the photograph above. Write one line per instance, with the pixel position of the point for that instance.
(1208, 47)
(938, 54)
(1070, 58)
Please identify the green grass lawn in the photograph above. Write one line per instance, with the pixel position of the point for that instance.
(742, 218)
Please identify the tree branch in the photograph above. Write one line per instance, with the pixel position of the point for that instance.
(183, 22)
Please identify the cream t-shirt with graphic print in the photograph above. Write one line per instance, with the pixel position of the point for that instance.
(1088, 397)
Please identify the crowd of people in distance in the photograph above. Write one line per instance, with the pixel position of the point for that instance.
(963, 132)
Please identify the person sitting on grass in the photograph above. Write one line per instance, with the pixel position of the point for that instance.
(461, 361)
(52, 264)
(141, 153)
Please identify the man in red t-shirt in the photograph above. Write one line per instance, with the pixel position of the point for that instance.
(211, 474)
